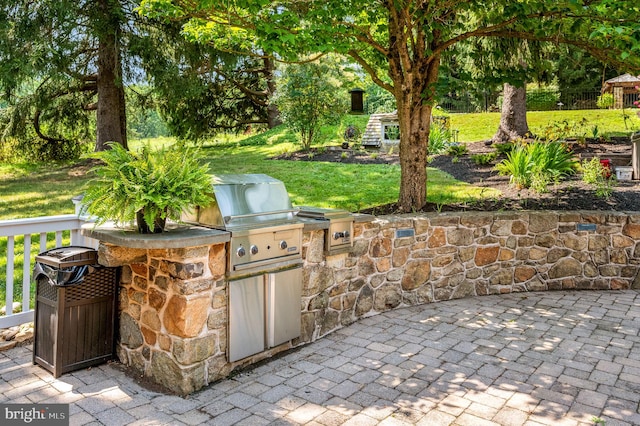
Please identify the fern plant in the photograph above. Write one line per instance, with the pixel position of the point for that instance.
(148, 186)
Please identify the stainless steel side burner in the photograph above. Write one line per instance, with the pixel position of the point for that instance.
(339, 236)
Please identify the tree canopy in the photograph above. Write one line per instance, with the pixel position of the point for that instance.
(400, 43)
(65, 65)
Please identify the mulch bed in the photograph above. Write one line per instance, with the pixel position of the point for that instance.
(570, 194)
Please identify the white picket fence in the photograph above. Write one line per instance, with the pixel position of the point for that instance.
(42, 226)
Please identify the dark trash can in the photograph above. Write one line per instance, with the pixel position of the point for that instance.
(75, 310)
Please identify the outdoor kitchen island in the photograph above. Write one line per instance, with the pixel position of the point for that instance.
(174, 302)
(224, 290)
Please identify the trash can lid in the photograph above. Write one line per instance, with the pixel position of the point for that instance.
(68, 256)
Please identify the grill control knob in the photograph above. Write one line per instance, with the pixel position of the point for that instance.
(241, 251)
(253, 249)
(338, 235)
(347, 234)
(283, 245)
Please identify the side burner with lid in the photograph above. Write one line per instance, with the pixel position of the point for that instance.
(339, 236)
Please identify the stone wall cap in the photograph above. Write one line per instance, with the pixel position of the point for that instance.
(313, 224)
(176, 236)
(363, 217)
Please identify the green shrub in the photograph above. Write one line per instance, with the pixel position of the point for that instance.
(605, 101)
(438, 139)
(542, 99)
(308, 97)
(594, 173)
(536, 165)
(503, 148)
(518, 166)
(457, 150)
(553, 158)
(484, 159)
(563, 129)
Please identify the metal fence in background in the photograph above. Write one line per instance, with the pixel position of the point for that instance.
(537, 100)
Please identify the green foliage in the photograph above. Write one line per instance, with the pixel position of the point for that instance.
(439, 138)
(161, 183)
(503, 148)
(309, 96)
(143, 118)
(35, 150)
(605, 101)
(537, 164)
(542, 99)
(457, 149)
(562, 129)
(484, 159)
(553, 159)
(594, 173)
(518, 166)
(48, 72)
(379, 100)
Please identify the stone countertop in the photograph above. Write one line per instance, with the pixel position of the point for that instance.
(182, 235)
(311, 224)
(175, 236)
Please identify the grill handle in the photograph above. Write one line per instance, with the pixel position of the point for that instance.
(228, 219)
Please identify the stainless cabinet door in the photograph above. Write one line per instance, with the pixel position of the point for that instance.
(284, 292)
(246, 317)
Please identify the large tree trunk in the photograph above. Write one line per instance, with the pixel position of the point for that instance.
(111, 112)
(273, 114)
(513, 118)
(414, 78)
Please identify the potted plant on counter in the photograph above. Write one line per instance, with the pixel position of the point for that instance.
(147, 186)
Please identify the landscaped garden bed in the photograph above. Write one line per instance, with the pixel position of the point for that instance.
(571, 193)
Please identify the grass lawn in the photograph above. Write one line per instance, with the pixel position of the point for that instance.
(482, 126)
(28, 190)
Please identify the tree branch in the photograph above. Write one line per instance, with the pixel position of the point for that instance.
(36, 127)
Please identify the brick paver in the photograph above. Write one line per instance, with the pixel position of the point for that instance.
(555, 358)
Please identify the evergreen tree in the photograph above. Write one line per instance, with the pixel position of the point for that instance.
(62, 59)
(65, 66)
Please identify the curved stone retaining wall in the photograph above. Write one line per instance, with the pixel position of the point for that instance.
(410, 260)
(173, 304)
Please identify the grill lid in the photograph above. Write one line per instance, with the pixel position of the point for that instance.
(245, 200)
(323, 213)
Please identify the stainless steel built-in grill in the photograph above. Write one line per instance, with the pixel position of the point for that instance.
(263, 262)
(264, 256)
(256, 209)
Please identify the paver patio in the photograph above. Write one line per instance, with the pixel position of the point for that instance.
(553, 358)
